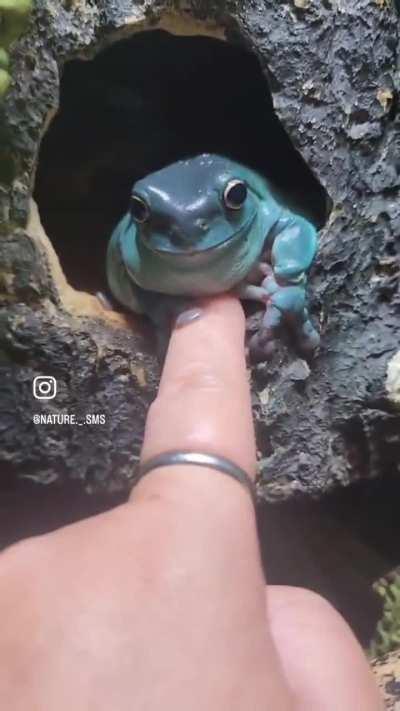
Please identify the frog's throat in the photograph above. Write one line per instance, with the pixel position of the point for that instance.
(189, 254)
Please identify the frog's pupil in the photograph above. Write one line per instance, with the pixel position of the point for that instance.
(139, 209)
(235, 194)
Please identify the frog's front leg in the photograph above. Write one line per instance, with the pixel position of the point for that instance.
(263, 344)
(250, 292)
(293, 248)
(293, 244)
(307, 337)
(251, 288)
(286, 306)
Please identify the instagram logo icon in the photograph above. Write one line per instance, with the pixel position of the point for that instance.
(44, 387)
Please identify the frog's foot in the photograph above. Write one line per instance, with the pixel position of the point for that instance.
(252, 287)
(305, 335)
(308, 338)
(258, 272)
(263, 344)
(251, 292)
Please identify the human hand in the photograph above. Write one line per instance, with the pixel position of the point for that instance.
(161, 602)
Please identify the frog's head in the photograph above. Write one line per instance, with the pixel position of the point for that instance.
(193, 207)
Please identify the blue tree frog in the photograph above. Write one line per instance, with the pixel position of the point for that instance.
(207, 225)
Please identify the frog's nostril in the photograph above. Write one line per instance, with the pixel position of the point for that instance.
(202, 224)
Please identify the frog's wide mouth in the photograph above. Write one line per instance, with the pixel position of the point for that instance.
(199, 251)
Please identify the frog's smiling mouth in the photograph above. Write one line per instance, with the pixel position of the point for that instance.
(190, 253)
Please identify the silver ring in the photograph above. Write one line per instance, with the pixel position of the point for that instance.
(201, 459)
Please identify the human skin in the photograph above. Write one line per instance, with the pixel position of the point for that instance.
(161, 603)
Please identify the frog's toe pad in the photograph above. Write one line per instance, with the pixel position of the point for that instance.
(261, 346)
(309, 340)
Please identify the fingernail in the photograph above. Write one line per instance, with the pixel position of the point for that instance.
(187, 317)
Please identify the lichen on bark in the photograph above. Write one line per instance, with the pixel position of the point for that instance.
(387, 635)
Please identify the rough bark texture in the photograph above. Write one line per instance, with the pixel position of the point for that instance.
(331, 67)
(387, 672)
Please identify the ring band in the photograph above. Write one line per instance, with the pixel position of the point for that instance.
(201, 459)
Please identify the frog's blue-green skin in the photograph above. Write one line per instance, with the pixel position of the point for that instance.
(192, 244)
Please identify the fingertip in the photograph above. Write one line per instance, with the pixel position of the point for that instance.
(208, 347)
(203, 401)
(225, 308)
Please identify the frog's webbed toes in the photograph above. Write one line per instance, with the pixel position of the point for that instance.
(265, 269)
(258, 272)
(250, 292)
(308, 338)
(262, 345)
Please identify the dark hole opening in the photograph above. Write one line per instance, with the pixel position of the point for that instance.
(139, 105)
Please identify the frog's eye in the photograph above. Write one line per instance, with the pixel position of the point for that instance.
(235, 194)
(140, 210)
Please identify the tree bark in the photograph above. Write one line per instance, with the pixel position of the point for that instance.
(331, 68)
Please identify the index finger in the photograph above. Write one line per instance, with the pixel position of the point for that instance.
(203, 403)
